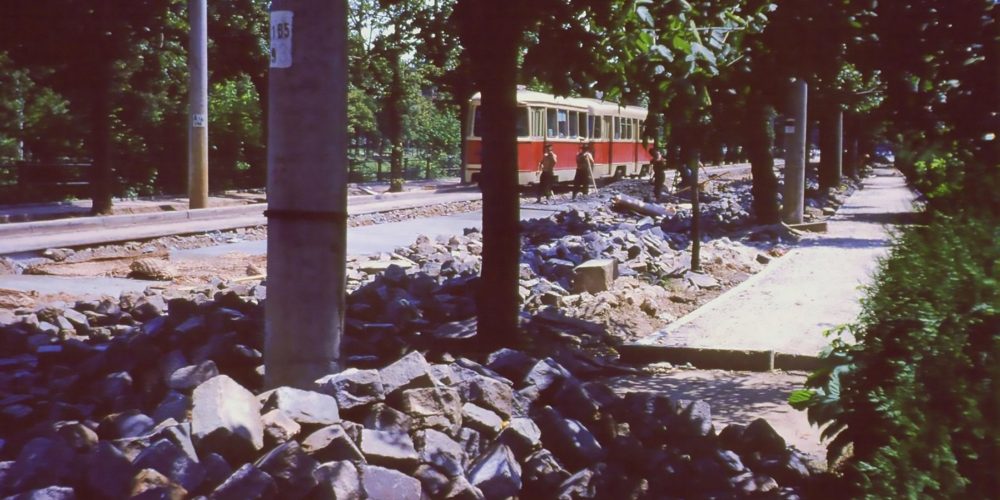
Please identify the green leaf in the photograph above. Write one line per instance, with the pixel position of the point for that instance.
(681, 44)
(801, 398)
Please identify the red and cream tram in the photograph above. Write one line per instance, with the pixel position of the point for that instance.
(566, 122)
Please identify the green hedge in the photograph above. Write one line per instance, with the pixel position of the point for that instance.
(913, 406)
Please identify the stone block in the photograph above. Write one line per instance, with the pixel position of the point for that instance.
(594, 276)
(353, 388)
(433, 407)
(305, 407)
(439, 449)
(170, 460)
(225, 419)
(189, 377)
(408, 372)
(291, 468)
(485, 421)
(497, 473)
(380, 482)
(337, 481)
(247, 482)
(389, 448)
(330, 444)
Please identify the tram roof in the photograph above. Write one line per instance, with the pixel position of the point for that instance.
(594, 106)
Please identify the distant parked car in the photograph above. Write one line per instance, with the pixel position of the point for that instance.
(813, 154)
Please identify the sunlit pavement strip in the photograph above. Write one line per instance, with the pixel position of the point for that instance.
(815, 287)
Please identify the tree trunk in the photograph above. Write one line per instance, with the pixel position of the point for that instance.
(851, 138)
(759, 146)
(427, 167)
(463, 120)
(378, 161)
(690, 155)
(395, 108)
(498, 299)
(829, 172)
(102, 172)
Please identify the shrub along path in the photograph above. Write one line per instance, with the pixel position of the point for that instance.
(786, 308)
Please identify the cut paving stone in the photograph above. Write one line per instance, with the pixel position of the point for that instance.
(279, 427)
(433, 407)
(225, 419)
(408, 372)
(304, 407)
(481, 419)
(337, 481)
(441, 450)
(170, 460)
(330, 444)
(353, 388)
(380, 482)
(389, 448)
(497, 473)
(189, 377)
(594, 276)
(291, 468)
(247, 482)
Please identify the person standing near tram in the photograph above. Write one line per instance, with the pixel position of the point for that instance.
(584, 170)
(659, 164)
(547, 168)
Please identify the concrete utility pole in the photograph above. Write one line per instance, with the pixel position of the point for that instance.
(793, 197)
(198, 112)
(306, 191)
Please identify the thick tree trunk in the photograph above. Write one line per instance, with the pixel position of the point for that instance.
(498, 300)
(851, 139)
(759, 146)
(830, 150)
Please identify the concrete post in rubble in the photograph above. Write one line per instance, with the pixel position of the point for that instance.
(793, 197)
(306, 191)
(198, 111)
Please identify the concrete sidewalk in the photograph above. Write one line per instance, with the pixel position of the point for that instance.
(813, 288)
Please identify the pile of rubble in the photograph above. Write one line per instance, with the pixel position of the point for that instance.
(161, 397)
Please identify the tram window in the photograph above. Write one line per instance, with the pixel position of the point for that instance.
(537, 122)
(574, 124)
(629, 128)
(618, 128)
(563, 124)
(477, 121)
(522, 122)
(594, 127)
(606, 127)
(583, 125)
(552, 123)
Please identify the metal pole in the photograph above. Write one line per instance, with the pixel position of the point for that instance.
(306, 190)
(198, 111)
(793, 196)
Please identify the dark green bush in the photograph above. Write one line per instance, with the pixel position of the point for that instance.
(916, 398)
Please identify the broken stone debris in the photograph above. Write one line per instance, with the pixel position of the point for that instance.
(80, 419)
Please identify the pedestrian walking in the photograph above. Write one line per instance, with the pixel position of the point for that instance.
(584, 170)
(659, 164)
(547, 174)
